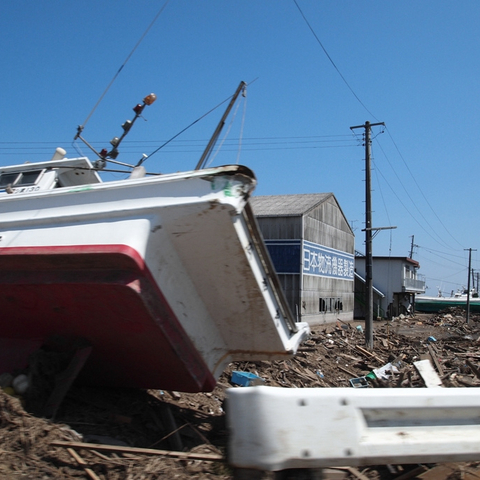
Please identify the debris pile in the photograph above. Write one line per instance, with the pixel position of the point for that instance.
(130, 434)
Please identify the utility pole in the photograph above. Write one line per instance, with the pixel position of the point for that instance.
(368, 236)
(468, 282)
(412, 246)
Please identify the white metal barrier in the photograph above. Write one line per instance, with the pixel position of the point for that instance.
(278, 428)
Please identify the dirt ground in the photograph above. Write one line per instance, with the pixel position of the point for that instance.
(139, 433)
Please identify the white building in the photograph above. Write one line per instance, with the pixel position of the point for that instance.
(395, 281)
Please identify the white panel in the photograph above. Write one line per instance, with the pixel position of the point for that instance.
(275, 428)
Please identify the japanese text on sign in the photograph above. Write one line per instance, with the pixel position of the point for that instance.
(327, 262)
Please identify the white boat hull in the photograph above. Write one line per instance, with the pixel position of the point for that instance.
(166, 277)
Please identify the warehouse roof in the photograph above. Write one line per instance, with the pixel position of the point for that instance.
(283, 205)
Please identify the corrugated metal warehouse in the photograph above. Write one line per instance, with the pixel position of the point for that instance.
(312, 247)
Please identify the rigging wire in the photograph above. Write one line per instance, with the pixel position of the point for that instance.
(212, 158)
(125, 62)
(189, 126)
(332, 62)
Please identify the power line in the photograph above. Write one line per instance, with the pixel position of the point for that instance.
(401, 156)
(331, 60)
(440, 239)
(188, 146)
(419, 188)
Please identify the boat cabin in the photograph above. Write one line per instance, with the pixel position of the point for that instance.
(35, 177)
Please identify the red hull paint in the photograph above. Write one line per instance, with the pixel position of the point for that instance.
(106, 295)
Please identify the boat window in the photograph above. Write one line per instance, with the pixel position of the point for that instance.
(18, 179)
(7, 179)
(29, 178)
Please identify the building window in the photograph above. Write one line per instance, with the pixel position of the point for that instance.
(322, 305)
(330, 304)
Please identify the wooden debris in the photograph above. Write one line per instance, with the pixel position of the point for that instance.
(439, 472)
(370, 354)
(412, 473)
(83, 463)
(428, 374)
(435, 360)
(356, 473)
(211, 457)
(474, 368)
(329, 358)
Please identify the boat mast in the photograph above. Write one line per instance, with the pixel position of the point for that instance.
(217, 131)
(111, 155)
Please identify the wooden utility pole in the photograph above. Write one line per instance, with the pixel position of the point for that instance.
(413, 245)
(468, 282)
(368, 236)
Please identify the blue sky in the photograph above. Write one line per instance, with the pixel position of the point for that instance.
(413, 65)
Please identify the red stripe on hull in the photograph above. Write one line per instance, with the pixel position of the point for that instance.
(106, 295)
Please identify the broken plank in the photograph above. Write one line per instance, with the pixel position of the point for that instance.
(435, 360)
(142, 451)
(466, 381)
(370, 354)
(428, 374)
(439, 472)
(413, 473)
(473, 367)
(345, 370)
(356, 473)
(83, 463)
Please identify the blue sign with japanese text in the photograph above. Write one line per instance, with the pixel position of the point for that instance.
(327, 262)
(317, 260)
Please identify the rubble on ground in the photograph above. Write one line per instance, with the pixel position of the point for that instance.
(140, 434)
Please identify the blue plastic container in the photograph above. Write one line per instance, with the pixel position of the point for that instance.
(246, 379)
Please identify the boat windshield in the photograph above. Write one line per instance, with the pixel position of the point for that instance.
(19, 178)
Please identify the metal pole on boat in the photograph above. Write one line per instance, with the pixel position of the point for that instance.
(468, 282)
(217, 131)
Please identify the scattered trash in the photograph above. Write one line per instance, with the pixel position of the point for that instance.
(386, 372)
(431, 339)
(359, 328)
(360, 382)
(246, 379)
(139, 418)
